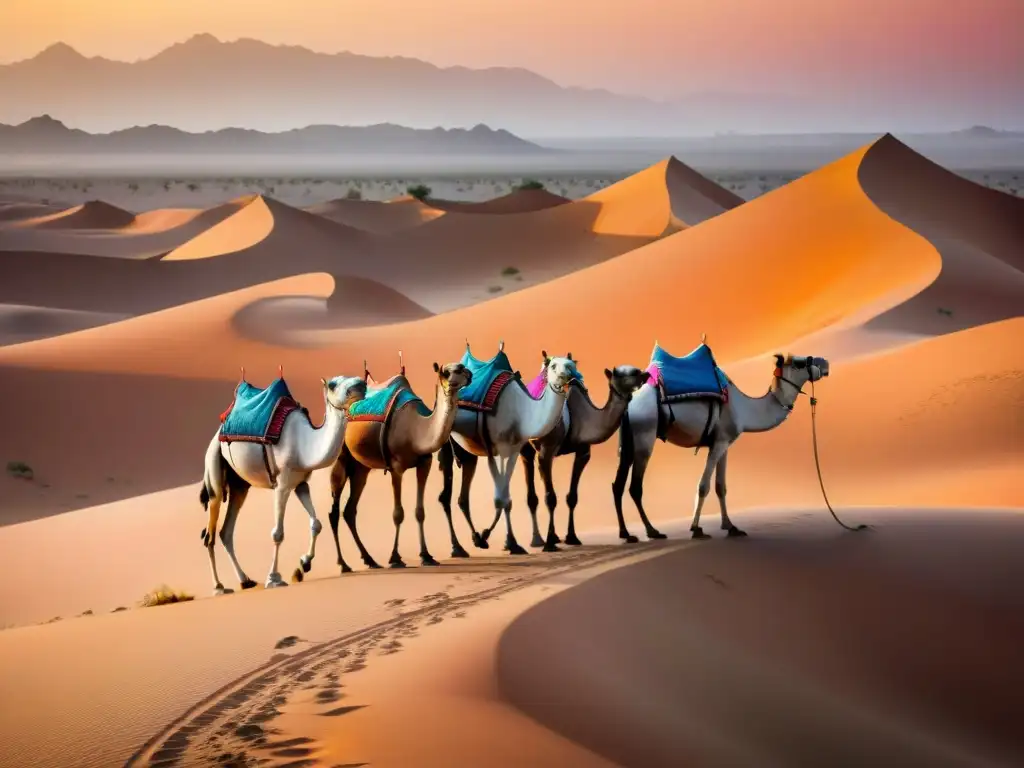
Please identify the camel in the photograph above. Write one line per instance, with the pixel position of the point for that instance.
(392, 430)
(583, 424)
(268, 441)
(496, 420)
(691, 403)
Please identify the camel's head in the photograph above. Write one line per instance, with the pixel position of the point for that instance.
(342, 391)
(799, 369)
(453, 376)
(625, 379)
(560, 371)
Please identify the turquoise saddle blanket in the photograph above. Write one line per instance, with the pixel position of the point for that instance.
(257, 415)
(385, 399)
(489, 378)
(695, 375)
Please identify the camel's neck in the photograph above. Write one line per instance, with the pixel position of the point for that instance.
(322, 447)
(540, 416)
(760, 414)
(432, 431)
(591, 425)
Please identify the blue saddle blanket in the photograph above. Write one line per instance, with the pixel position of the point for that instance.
(257, 414)
(487, 377)
(380, 401)
(695, 375)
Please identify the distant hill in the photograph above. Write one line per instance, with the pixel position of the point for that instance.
(46, 135)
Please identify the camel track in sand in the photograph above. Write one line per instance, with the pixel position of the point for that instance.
(231, 727)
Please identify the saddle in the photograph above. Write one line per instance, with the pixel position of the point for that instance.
(381, 403)
(490, 377)
(695, 376)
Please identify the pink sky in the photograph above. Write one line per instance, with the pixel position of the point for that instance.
(651, 47)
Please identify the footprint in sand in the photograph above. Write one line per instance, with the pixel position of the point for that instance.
(394, 602)
(437, 618)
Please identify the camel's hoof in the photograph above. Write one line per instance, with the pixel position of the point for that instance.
(629, 538)
(698, 533)
(485, 536)
(557, 540)
(515, 549)
(480, 542)
(297, 576)
(306, 564)
(428, 560)
(735, 532)
(458, 551)
(656, 534)
(551, 547)
(373, 565)
(537, 541)
(222, 590)
(275, 581)
(346, 568)
(248, 584)
(396, 564)
(572, 541)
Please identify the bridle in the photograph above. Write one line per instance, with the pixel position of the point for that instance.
(798, 387)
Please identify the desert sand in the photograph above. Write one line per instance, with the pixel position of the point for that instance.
(124, 333)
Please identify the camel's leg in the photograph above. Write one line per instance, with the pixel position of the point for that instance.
(216, 494)
(236, 499)
(469, 462)
(446, 461)
(528, 455)
(281, 494)
(505, 477)
(636, 492)
(422, 473)
(357, 475)
(579, 463)
(720, 492)
(398, 515)
(497, 467)
(338, 479)
(715, 454)
(546, 465)
(315, 526)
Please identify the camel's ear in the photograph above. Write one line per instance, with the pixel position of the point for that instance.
(607, 372)
(780, 360)
(324, 383)
(569, 356)
(544, 356)
(437, 368)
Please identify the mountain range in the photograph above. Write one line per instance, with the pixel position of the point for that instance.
(47, 135)
(204, 83)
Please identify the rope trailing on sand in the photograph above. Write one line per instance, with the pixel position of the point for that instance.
(817, 464)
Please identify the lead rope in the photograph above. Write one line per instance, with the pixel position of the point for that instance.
(817, 464)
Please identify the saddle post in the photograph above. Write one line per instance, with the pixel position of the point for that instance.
(401, 363)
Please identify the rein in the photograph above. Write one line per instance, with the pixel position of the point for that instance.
(814, 443)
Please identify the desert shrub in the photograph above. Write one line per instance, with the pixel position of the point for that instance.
(193, 187)
(133, 187)
(20, 469)
(946, 312)
(510, 271)
(419, 191)
(353, 194)
(530, 184)
(164, 595)
(494, 289)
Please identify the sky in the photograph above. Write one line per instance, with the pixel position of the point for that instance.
(654, 48)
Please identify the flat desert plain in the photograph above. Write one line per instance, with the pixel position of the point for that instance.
(124, 329)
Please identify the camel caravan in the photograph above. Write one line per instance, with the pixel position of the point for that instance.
(482, 408)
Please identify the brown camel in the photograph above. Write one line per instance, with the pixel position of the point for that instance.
(583, 424)
(394, 431)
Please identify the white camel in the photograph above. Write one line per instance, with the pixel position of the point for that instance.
(232, 468)
(704, 422)
(517, 418)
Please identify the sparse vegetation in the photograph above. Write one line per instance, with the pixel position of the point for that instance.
(353, 194)
(494, 289)
(529, 184)
(193, 187)
(946, 312)
(20, 470)
(133, 187)
(419, 191)
(164, 595)
(510, 271)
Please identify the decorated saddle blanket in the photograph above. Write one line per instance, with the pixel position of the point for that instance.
(381, 401)
(684, 378)
(536, 387)
(257, 415)
(490, 377)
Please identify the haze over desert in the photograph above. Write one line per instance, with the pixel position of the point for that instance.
(556, 349)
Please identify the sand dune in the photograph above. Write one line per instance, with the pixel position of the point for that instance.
(94, 214)
(518, 201)
(21, 323)
(917, 412)
(377, 217)
(14, 212)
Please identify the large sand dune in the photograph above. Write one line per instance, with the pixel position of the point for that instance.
(922, 408)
